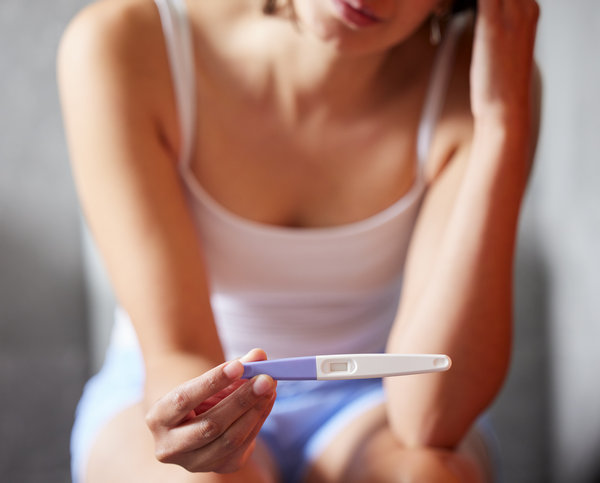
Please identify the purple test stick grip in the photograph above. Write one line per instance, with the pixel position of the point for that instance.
(291, 369)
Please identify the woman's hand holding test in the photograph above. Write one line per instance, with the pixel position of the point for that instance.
(210, 423)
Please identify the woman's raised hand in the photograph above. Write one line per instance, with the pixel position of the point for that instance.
(210, 423)
(501, 69)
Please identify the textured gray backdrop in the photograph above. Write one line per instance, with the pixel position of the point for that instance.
(547, 417)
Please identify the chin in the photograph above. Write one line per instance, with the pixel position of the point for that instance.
(320, 20)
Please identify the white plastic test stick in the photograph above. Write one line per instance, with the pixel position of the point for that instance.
(348, 366)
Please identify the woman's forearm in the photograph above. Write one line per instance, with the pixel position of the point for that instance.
(465, 307)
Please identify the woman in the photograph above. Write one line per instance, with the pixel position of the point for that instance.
(271, 176)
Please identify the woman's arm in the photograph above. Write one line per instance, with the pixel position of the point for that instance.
(457, 295)
(122, 133)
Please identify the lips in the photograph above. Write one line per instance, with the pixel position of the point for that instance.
(355, 14)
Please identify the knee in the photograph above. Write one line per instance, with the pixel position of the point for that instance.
(388, 460)
(436, 465)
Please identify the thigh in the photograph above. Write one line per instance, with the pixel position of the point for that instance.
(366, 451)
(124, 452)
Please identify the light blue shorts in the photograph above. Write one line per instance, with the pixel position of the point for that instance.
(305, 418)
(118, 385)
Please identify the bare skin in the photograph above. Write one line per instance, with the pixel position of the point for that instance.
(135, 458)
(317, 128)
(367, 451)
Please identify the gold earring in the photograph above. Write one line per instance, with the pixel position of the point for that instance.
(435, 32)
(438, 16)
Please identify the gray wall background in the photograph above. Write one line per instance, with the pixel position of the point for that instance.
(51, 318)
(43, 356)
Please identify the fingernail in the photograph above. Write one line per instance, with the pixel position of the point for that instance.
(234, 369)
(262, 385)
(246, 357)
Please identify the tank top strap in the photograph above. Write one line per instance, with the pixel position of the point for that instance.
(180, 50)
(438, 85)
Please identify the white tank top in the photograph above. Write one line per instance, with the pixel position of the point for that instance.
(299, 291)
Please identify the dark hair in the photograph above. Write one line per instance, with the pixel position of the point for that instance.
(460, 5)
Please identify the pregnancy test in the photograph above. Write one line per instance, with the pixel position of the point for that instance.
(348, 366)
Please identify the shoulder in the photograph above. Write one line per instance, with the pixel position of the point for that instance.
(111, 60)
(113, 42)
(110, 27)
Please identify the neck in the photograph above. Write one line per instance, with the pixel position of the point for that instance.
(315, 75)
(311, 76)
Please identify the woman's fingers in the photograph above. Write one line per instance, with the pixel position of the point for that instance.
(253, 355)
(221, 430)
(241, 437)
(199, 393)
(502, 59)
(503, 11)
(175, 406)
(516, 7)
(211, 424)
(486, 7)
(217, 398)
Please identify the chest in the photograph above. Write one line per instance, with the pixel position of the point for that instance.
(317, 172)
